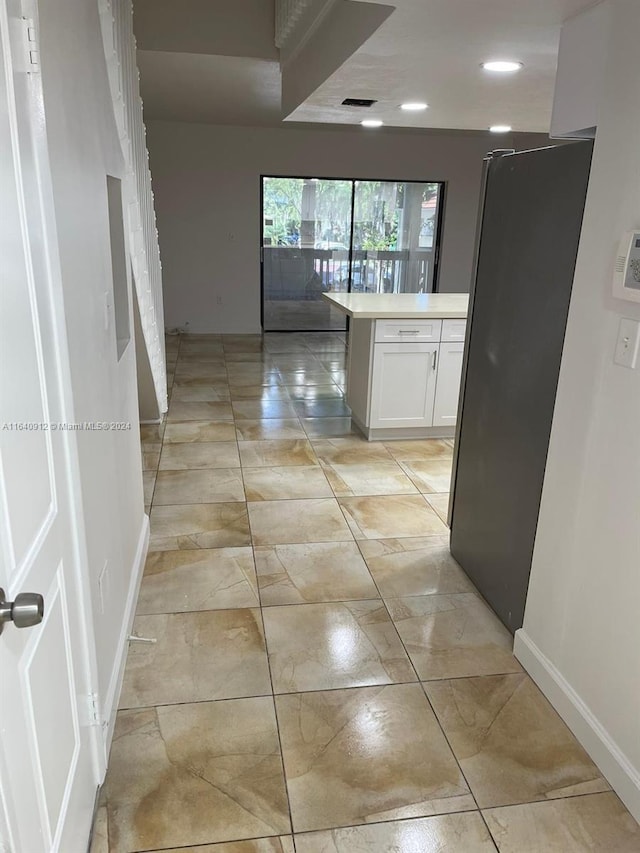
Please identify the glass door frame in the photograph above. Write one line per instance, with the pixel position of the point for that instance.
(442, 197)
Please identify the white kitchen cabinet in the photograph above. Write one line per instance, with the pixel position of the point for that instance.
(403, 385)
(453, 330)
(404, 363)
(449, 373)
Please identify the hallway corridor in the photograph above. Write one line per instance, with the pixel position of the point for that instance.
(322, 676)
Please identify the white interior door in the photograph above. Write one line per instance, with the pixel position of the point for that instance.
(48, 773)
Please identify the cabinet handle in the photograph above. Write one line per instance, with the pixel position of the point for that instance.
(435, 359)
(408, 331)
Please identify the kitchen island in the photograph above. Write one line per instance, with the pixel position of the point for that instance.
(405, 361)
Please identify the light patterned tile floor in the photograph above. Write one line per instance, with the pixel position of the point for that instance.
(325, 678)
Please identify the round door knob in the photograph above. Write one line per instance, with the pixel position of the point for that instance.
(25, 611)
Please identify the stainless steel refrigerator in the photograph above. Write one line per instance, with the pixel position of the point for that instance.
(530, 220)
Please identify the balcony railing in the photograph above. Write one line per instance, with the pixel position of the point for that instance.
(293, 273)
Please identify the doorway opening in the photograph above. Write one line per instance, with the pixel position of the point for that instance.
(321, 235)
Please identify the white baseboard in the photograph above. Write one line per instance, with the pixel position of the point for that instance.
(110, 705)
(623, 777)
(402, 433)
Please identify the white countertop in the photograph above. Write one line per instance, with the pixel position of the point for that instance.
(395, 306)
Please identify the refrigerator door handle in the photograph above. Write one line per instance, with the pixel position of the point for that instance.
(486, 165)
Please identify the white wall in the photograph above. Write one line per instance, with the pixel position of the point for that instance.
(203, 27)
(84, 148)
(206, 181)
(581, 634)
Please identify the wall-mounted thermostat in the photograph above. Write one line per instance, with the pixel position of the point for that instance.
(626, 277)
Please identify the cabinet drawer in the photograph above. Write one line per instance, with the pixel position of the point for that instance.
(453, 330)
(407, 331)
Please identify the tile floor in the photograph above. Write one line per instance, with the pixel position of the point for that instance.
(325, 679)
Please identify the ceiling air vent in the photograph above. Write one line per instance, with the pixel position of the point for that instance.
(358, 102)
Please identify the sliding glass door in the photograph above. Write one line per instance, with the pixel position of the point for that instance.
(306, 231)
(394, 236)
(321, 235)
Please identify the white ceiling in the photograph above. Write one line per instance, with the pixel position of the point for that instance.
(427, 50)
(431, 50)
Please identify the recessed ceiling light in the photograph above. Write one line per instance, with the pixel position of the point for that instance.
(502, 66)
(371, 122)
(414, 106)
(500, 128)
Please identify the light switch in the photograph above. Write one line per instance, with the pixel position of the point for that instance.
(627, 344)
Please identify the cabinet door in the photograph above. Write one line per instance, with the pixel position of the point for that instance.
(403, 385)
(445, 409)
